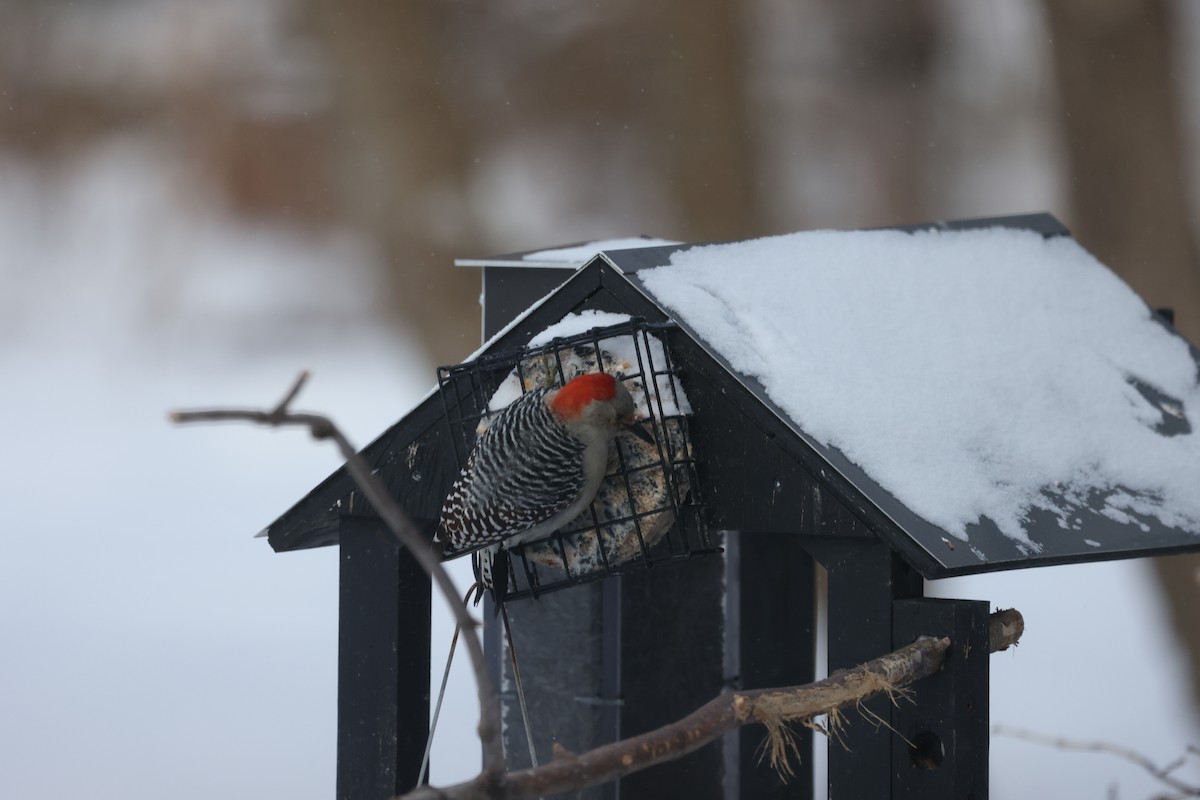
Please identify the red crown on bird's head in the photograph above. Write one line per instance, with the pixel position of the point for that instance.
(571, 399)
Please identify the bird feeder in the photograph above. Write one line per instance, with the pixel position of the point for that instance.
(764, 481)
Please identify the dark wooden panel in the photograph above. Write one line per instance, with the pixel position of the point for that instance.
(672, 662)
(771, 607)
(865, 579)
(383, 664)
(508, 291)
(942, 747)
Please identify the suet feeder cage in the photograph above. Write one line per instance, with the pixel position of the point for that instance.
(648, 511)
(766, 490)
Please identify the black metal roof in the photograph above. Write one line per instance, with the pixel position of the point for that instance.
(763, 472)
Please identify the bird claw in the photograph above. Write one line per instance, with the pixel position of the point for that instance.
(499, 577)
(477, 590)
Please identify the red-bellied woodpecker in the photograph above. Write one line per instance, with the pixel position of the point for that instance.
(536, 468)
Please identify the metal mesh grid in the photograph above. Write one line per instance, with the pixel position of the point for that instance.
(649, 510)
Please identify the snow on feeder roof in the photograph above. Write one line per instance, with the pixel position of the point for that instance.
(988, 379)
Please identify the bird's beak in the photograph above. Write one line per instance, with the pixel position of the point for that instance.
(638, 429)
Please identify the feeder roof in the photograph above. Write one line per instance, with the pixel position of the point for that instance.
(982, 394)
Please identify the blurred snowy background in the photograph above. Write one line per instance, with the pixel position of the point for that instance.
(199, 199)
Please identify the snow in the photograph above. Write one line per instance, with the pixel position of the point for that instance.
(577, 254)
(966, 372)
(150, 632)
(575, 324)
(625, 356)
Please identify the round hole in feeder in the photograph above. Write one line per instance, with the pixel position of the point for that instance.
(926, 750)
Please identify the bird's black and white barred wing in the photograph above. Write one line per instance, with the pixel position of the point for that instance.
(525, 469)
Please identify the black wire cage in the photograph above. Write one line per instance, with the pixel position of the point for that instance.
(649, 509)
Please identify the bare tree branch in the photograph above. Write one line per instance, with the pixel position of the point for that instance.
(1163, 774)
(774, 708)
(400, 526)
(1004, 629)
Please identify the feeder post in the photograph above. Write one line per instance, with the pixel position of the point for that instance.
(770, 608)
(383, 664)
(937, 745)
(942, 746)
(866, 578)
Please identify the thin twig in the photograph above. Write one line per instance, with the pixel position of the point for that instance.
(437, 709)
(1162, 774)
(282, 406)
(512, 657)
(402, 529)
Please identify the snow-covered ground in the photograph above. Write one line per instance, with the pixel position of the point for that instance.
(150, 647)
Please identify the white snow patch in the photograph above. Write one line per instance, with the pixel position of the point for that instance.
(505, 393)
(577, 254)
(575, 324)
(966, 372)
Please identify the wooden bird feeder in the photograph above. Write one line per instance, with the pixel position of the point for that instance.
(730, 601)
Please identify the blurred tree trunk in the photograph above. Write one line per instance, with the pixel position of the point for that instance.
(887, 69)
(669, 82)
(425, 91)
(405, 140)
(701, 132)
(1128, 183)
